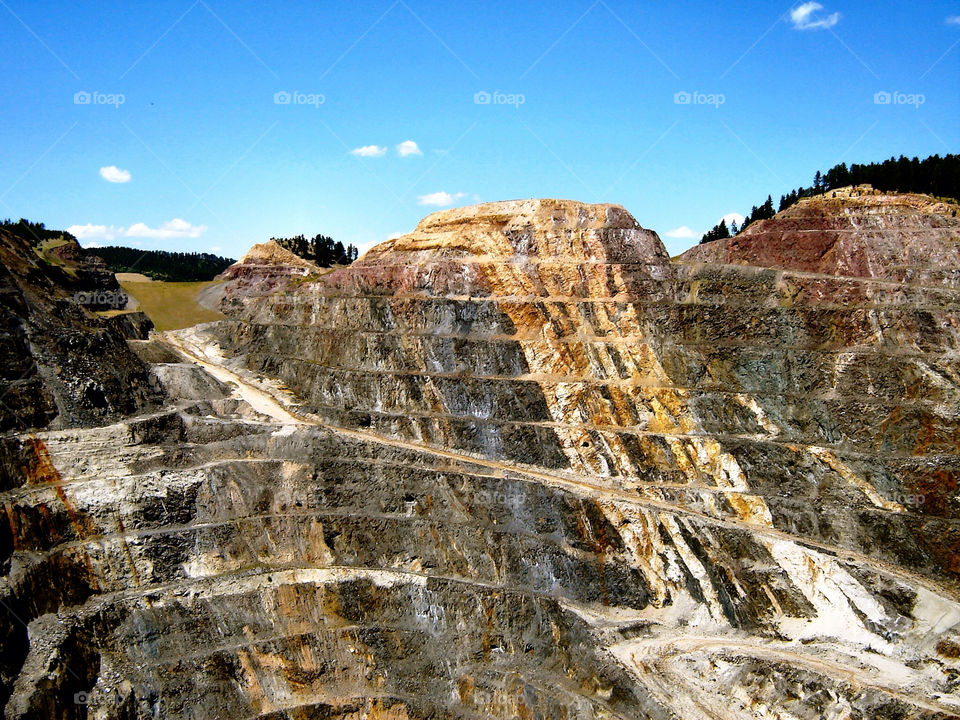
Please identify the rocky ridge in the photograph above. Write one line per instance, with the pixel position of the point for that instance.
(264, 269)
(64, 359)
(513, 464)
(853, 231)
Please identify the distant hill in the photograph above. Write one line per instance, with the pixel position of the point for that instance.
(163, 265)
(935, 175)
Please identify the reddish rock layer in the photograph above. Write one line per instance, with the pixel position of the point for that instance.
(858, 232)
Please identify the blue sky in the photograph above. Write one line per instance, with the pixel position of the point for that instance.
(159, 125)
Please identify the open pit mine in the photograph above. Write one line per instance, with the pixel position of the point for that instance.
(518, 463)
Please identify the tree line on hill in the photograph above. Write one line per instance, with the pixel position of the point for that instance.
(180, 266)
(34, 233)
(935, 175)
(155, 264)
(320, 249)
(163, 264)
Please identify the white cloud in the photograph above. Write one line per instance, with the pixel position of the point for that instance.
(440, 199)
(85, 232)
(111, 173)
(682, 232)
(953, 20)
(175, 228)
(806, 17)
(685, 233)
(394, 236)
(408, 148)
(370, 151)
(362, 247)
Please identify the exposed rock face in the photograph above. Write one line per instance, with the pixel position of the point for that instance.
(421, 338)
(60, 362)
(267, 267)
(515, 464)
(853, 231)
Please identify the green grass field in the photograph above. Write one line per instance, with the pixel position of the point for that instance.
(171, 305)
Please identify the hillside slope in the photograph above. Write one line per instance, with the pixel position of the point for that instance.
(517, 464)
(62, 362)
(854, 231)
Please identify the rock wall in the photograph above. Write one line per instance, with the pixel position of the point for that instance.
(516, 464)
(61, 363)
(266, 268)
(853, 231)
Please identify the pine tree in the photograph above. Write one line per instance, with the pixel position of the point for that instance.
(935, 175)
(767, 209)
(719, 231)
(319, 249)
